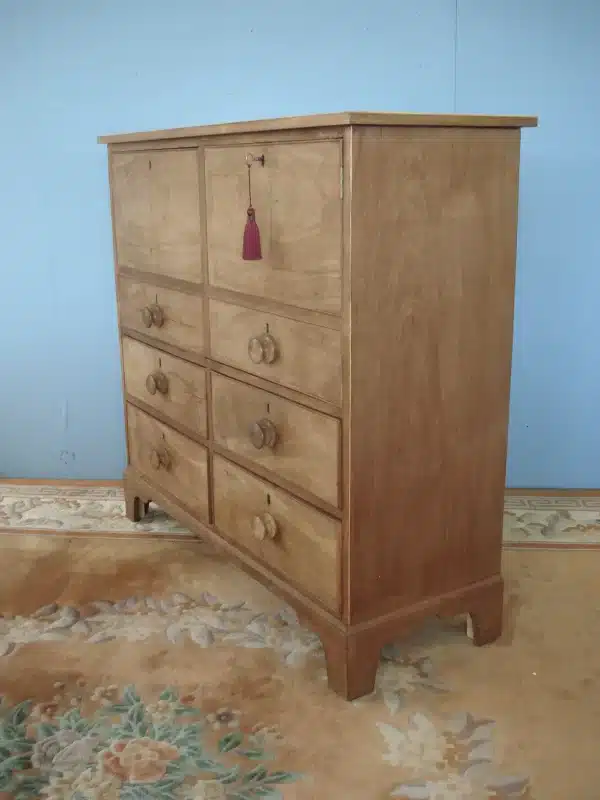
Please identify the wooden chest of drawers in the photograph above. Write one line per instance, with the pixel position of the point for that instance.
(333, 413)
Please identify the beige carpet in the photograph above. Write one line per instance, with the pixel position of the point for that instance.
(155, 669)
(552, 521)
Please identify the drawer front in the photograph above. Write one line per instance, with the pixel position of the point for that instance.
(167, 315)
(169, 459)
(168, 384)
(298, 355)
(286, 534)
(156, 212)
(291, 441)
(297, 199)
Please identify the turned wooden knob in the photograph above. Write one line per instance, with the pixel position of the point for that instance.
(157, 382)
(160, 459)
(263, 434)
(153, 315)
(265, 527)
(262, 349)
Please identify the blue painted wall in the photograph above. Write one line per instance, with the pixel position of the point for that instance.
(71, 70)
(543, 57)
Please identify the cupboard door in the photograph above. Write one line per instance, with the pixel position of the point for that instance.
(157, 212)
(297, 199)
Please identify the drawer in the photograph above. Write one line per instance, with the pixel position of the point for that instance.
(168, 384)
(170, 460)
(167, 315)
(298, 355)
(284, 533)
(157, 212)
(291, 441)
(297, 199)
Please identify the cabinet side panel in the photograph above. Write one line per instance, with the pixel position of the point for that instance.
(434, 218)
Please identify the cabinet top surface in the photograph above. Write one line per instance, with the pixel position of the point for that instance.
(328, 120)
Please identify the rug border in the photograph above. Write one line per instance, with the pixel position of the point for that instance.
(118, 483)
(191, 538)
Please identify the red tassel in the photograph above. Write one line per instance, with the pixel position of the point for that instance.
(251, 250)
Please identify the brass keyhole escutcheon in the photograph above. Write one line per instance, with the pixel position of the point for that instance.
(251, 159)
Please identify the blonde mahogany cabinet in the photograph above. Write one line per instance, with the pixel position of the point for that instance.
(319, 383)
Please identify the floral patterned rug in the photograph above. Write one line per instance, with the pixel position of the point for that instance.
(156, 669)
(65, 509)
(528, 520)
(552, 521)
